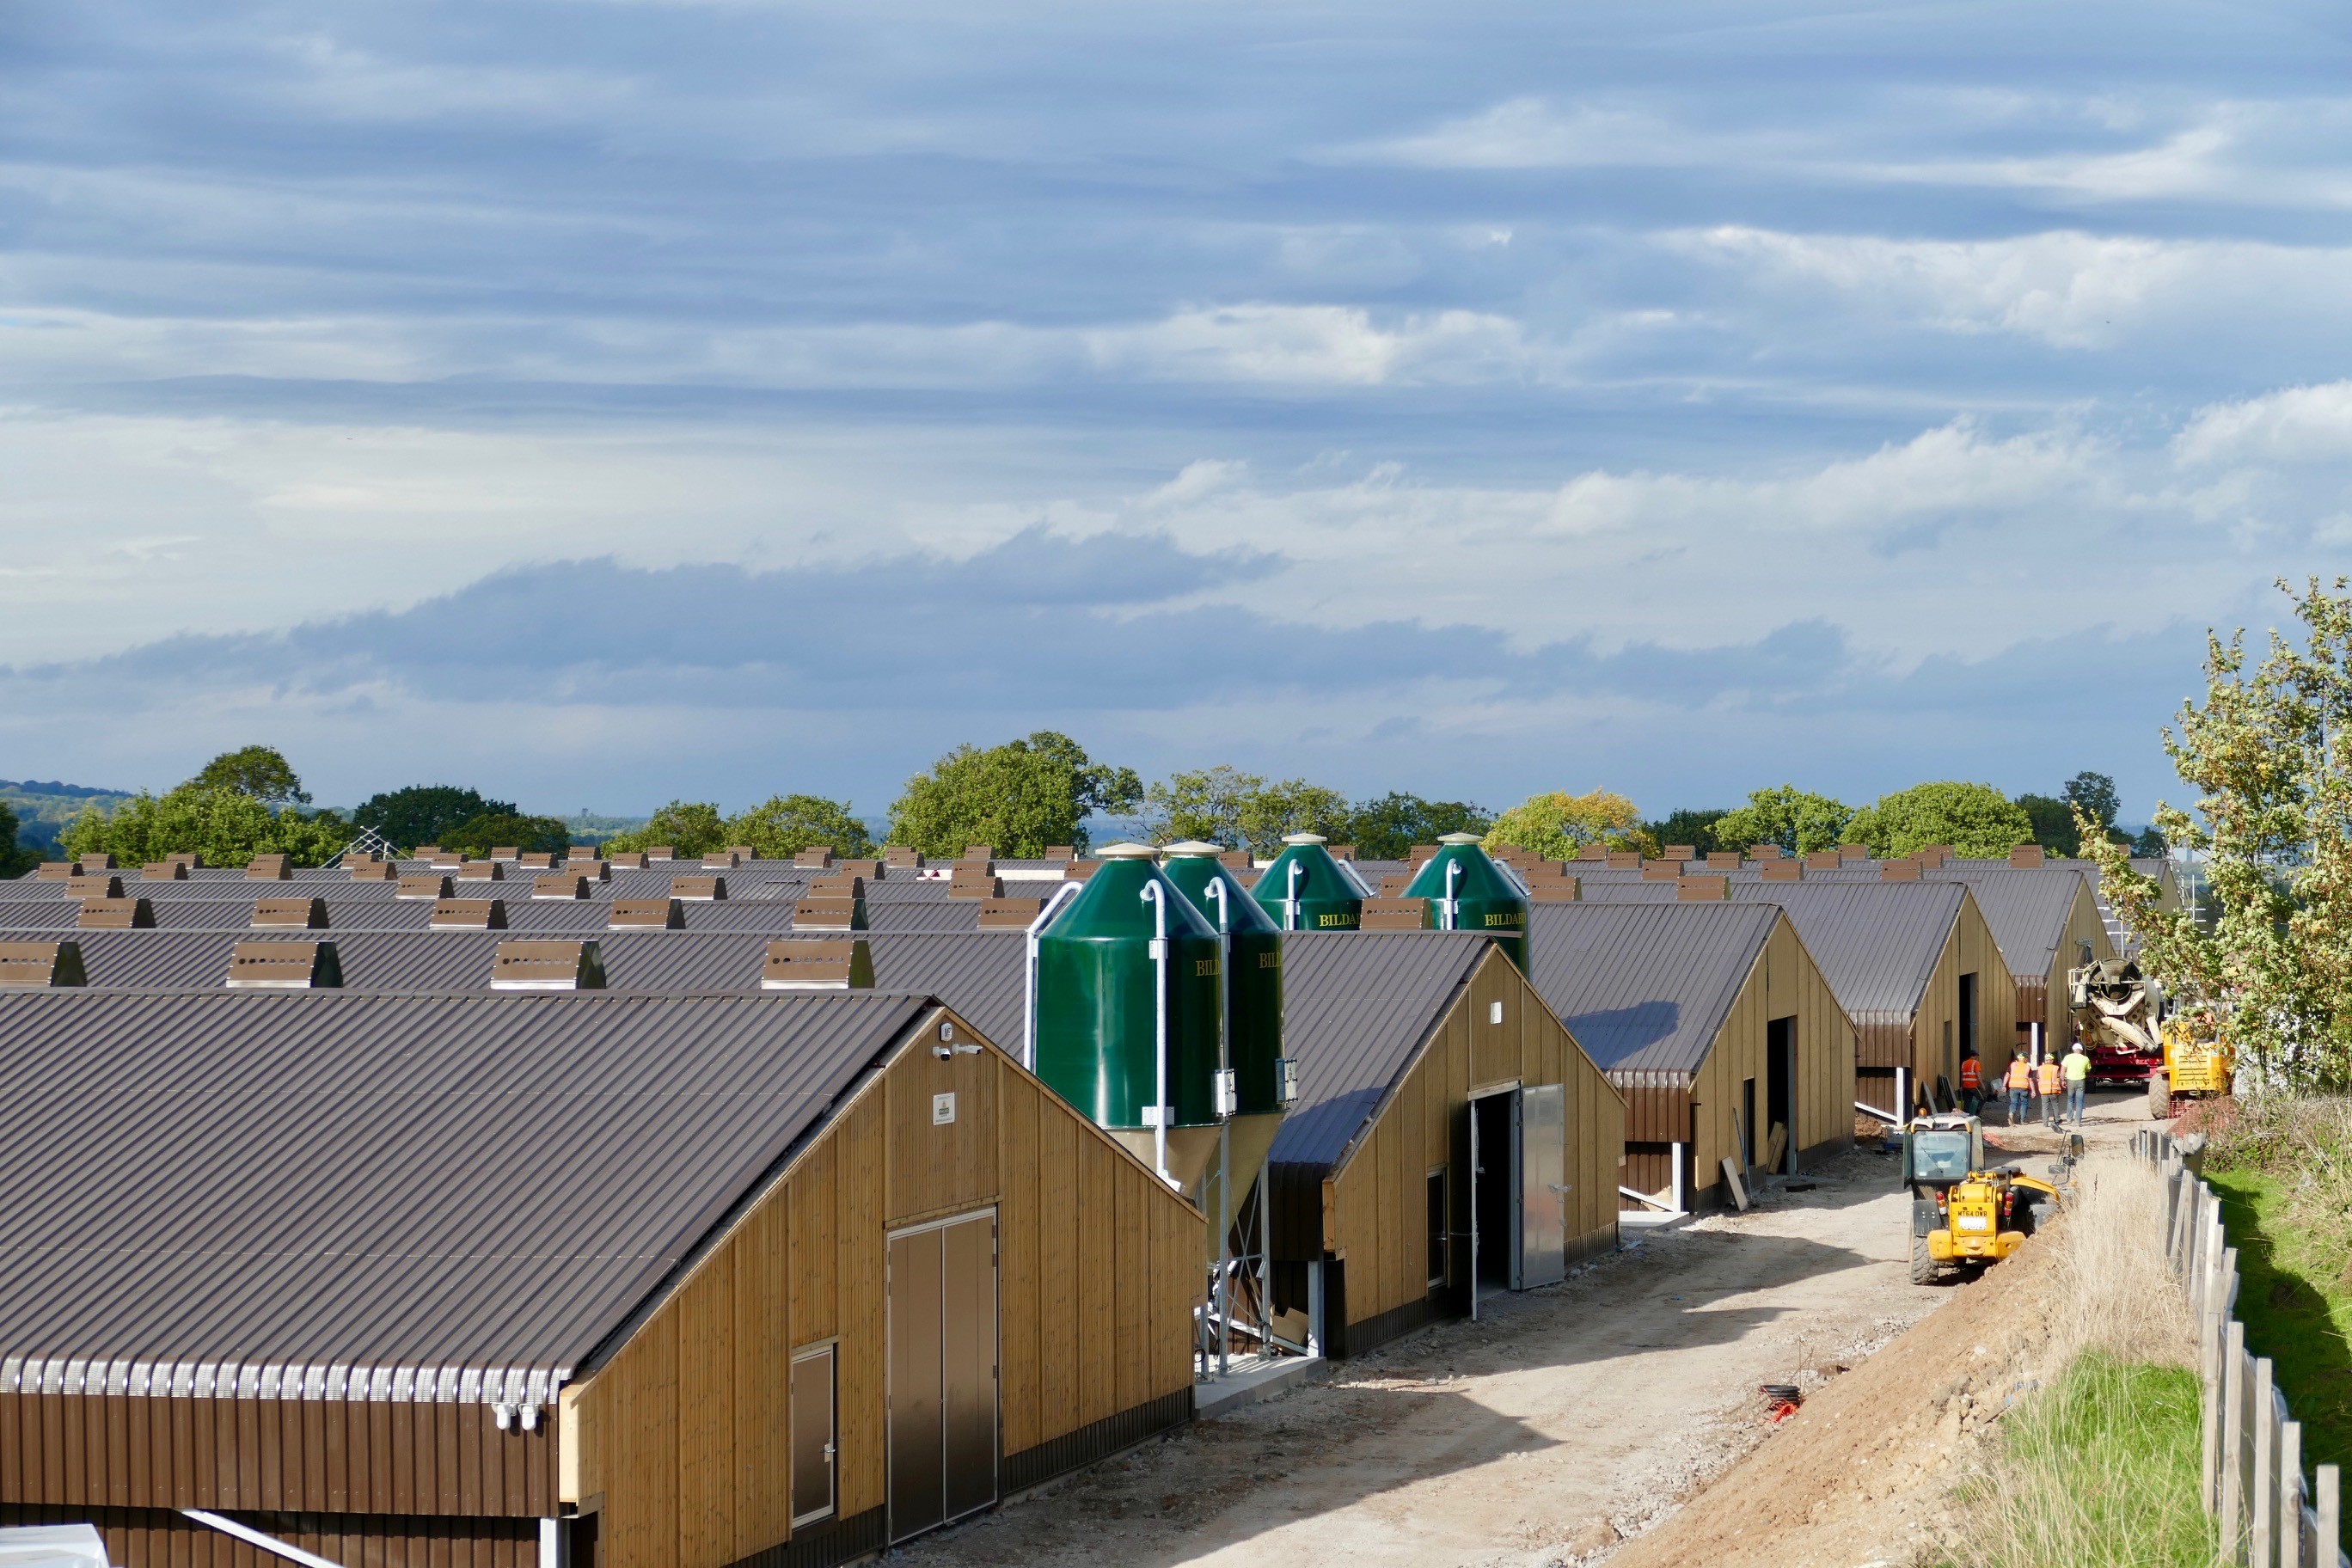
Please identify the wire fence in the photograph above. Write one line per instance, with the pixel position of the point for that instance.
(2252, 1447)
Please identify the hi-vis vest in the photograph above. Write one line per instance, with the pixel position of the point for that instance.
(1971, 1074)
(2049, 1074)
(2021, 1074)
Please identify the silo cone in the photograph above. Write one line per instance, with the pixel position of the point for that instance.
(1098, 995)
(1306, 890)
(1252, 1029)
(1468, 891)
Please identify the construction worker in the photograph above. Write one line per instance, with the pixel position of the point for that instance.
(1971, 1084)
(2021, 1090)
(2077, 1068)
(2046, 1079)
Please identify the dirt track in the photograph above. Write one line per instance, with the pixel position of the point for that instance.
(1568, 1415)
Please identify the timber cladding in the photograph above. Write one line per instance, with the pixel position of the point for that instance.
(1682, 1002)
(1374, 1198)
(679, 1438)
(1932, 1042)
(294, 1455)
(1784, 983)
(160, 1538)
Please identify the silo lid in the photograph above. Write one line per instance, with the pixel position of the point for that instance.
(1193, 846)
(1459, 838)
(1127, 852)
(1304, 838)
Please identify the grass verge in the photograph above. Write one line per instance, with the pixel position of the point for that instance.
(2295, 1312)
(2099, 1470)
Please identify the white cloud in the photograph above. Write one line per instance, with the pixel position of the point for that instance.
(2296, 424)
(2065, 286)
(1535, 133)
(1249, 344)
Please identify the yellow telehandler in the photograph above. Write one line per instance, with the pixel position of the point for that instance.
(1963, 1215)
(2197, 1062)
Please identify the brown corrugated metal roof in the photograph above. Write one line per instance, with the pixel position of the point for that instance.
(333, 1193)
(2027, 909)
(979, 973)
(1876, 943)
(1646, 985)
(1356, 1006)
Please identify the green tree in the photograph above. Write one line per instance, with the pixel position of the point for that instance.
(2094, 795)
(788, 824)
(261, 772)
(1556, 826)
(225, 826)
(1021, 798)
(15, 858)
(2148, 842)
(1243, 810)
(1691, 826)
(1205, 804)
(1799, 821)
(422, 814)
(1291, 806)
(1975, 819)
(2054, 824)
(506, 829)
(691, 828)
(2270, 756)
(1387, 828)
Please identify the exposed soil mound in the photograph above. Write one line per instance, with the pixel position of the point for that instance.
(1864, 1472)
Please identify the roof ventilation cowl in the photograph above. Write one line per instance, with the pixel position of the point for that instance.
(469, 914)
(817, 966)
(646, 914)
(28, 965)
(548, 966)
(284, 966)
(296, 914)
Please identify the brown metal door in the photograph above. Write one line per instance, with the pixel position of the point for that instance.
(968, 1363)
(813, 1435)
(917, 1501)
(943, 1390)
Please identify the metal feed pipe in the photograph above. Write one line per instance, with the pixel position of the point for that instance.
(1158, 902)
(1062, 895)
(1453, 904)
(1224, 1123)
(1290, 897)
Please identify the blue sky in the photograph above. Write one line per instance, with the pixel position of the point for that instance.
(605, 402)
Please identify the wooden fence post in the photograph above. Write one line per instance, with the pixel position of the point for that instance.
(2290, 1496)
(2210, 1343)
(2326, 1548)
(2232, 1512)
(2262, 1505)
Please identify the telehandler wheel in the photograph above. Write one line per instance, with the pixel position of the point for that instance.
(1923, 1267)
(2159, 1095)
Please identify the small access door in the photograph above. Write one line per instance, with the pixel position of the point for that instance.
(1779, 1095)
(1543, 1184)
(813, 1435)
(943, 1371)
(1495, 1191)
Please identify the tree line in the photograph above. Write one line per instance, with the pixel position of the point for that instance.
(1042, 790)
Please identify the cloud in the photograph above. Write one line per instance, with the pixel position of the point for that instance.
(2293, 425)
(2068, 288)
(1107, 621)
(1537, 134)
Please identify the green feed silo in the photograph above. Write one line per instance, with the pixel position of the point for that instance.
(1128, 987)
(1468, 891)
(1306, 890)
